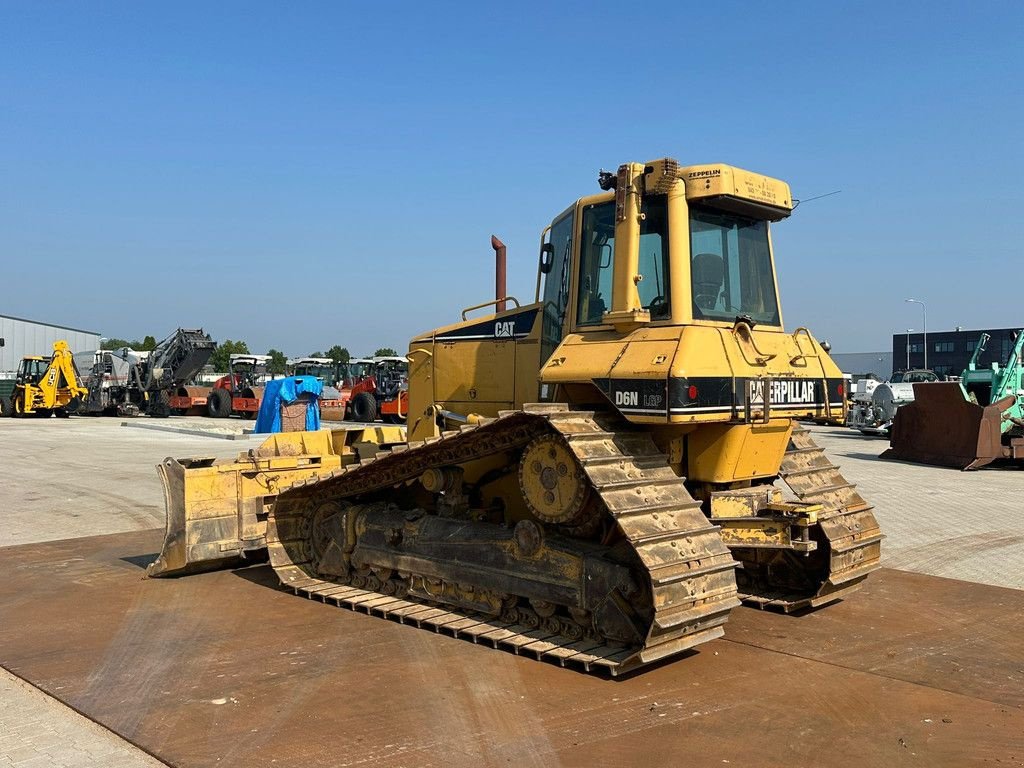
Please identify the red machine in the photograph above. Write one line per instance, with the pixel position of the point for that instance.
(189, 401)
(383, 393)
(241, 391)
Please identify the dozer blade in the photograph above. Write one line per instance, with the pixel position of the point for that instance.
(942, 427)
(217, 510)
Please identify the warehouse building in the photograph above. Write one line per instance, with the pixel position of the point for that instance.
(950, 351)
(28, 337)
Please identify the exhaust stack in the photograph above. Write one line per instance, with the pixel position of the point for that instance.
(500, 272)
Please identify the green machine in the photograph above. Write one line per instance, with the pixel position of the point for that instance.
(968, 423)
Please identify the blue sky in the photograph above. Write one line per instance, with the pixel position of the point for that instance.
(299, 175)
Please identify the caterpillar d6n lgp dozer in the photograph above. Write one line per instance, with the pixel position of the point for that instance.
(591, 478)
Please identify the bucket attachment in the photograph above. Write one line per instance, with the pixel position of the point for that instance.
(217, 510)
(941, 426)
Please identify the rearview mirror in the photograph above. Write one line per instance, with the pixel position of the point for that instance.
(547, 258)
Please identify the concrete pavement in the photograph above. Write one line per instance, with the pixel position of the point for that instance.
(65, 479)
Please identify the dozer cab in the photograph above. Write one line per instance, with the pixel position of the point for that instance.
(599, 477)
(47, 387)
(965, 424)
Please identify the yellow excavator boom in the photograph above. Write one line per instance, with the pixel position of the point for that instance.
(48, 387)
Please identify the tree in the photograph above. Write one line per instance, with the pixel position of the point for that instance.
(148, 344)
(221, 355)
(278, 362)
(338, 354)
(385, 352)
(117, 344)
(317, 354)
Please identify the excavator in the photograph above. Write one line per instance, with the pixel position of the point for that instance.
(596, 478)
(47, 387)
(965, 424)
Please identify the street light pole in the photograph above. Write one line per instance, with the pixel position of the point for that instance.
(924, 314)
(909, 331)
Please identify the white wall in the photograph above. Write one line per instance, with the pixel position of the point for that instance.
(25, 337)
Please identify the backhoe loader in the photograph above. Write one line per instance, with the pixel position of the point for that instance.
(46, 387)
(596, 478)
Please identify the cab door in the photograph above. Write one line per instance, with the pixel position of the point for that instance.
(557, 283)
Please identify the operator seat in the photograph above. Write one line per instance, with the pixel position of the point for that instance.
(707, 273)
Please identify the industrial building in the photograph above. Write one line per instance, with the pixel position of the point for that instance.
(29, 337)
(950, 351)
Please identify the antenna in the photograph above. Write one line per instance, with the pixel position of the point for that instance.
(816, 197)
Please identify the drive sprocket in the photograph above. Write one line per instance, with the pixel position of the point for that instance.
(553, 482)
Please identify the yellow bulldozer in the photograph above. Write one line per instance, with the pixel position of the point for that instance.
(46, 387)
(599, 477)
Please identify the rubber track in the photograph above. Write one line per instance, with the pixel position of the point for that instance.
(847, 521)
(691, 571)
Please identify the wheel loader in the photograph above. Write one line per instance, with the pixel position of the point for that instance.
(47, 387)
(599, 477)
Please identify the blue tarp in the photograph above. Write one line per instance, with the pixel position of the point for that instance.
(284, 391)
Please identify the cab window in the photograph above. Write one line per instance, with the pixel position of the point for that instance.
(731, 267)
(556, 285)
(598, 255)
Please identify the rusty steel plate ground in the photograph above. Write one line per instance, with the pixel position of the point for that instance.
(226, 669)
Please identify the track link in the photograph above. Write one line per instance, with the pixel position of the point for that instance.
(847, 522)
(688, 569)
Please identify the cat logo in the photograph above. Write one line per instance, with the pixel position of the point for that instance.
(627, 398)
(504, 329)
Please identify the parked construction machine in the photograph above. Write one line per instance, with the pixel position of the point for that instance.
(239, 393)
(329, 373)
(381, 394)
(128, 382)
(111, 376)
(354, 371)
(45, 387)
(859, 414)
(595, 478)
(347, 376)
(323, 368)
(875, 404)
(965, 424)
